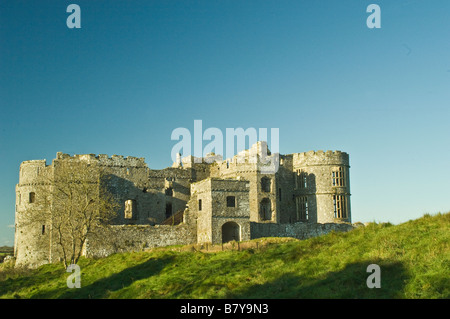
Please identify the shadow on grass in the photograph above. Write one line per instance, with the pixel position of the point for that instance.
(349, 283)
(102, 287)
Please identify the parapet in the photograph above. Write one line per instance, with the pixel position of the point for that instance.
(320, 158)
(30, 170)
(105, 160)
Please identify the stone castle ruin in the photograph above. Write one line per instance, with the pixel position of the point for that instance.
(197, 201)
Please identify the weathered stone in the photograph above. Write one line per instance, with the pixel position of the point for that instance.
(222, 200)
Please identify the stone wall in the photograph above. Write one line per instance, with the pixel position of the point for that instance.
(148, 196)
(318, 167)
(214, 212)
(296, 230)
(126, 238)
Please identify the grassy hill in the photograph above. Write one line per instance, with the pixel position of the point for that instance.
(414, 258)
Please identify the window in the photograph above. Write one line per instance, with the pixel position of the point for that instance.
(20, 198)
(130, 209)
(168, 210)
(279, 194)
(265, 210)
(301, 179)
(199, 204)
(32, 197)
(340, 206)
(338, 177)
(265, 184)
(302, 208)
(231, 201)
(43, 229)
(169, 191)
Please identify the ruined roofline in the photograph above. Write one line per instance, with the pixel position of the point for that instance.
(259, 148)
(321, 158)
(321, 153)
(103, 159)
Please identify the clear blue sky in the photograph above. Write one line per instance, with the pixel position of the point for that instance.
(136, 70)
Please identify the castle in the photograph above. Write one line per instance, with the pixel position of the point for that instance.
(196, 201)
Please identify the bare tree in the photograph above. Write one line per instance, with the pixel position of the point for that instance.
(75, 203)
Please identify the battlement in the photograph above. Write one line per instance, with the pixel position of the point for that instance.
(105, 160)
(321, 158)
(34, 163)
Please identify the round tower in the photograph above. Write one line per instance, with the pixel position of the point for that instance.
(32, 229)
(323, 186)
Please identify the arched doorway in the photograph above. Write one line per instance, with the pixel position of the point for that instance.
(230, 231)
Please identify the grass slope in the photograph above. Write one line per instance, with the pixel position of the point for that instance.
(414, 261)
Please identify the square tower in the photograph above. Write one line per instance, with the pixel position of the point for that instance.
(223, 210)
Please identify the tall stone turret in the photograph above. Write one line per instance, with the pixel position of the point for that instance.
(322, 185)
(32, 237)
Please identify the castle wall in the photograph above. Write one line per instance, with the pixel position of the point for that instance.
(298, 230)
(266, 203)
(127, 238)
(201, 191)
(215, 212)
(222, 214)
(285, 198)
(247, 166)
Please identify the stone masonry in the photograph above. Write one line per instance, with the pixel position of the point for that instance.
(219, 201)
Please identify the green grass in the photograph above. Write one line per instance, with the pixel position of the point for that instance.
(414, 261)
